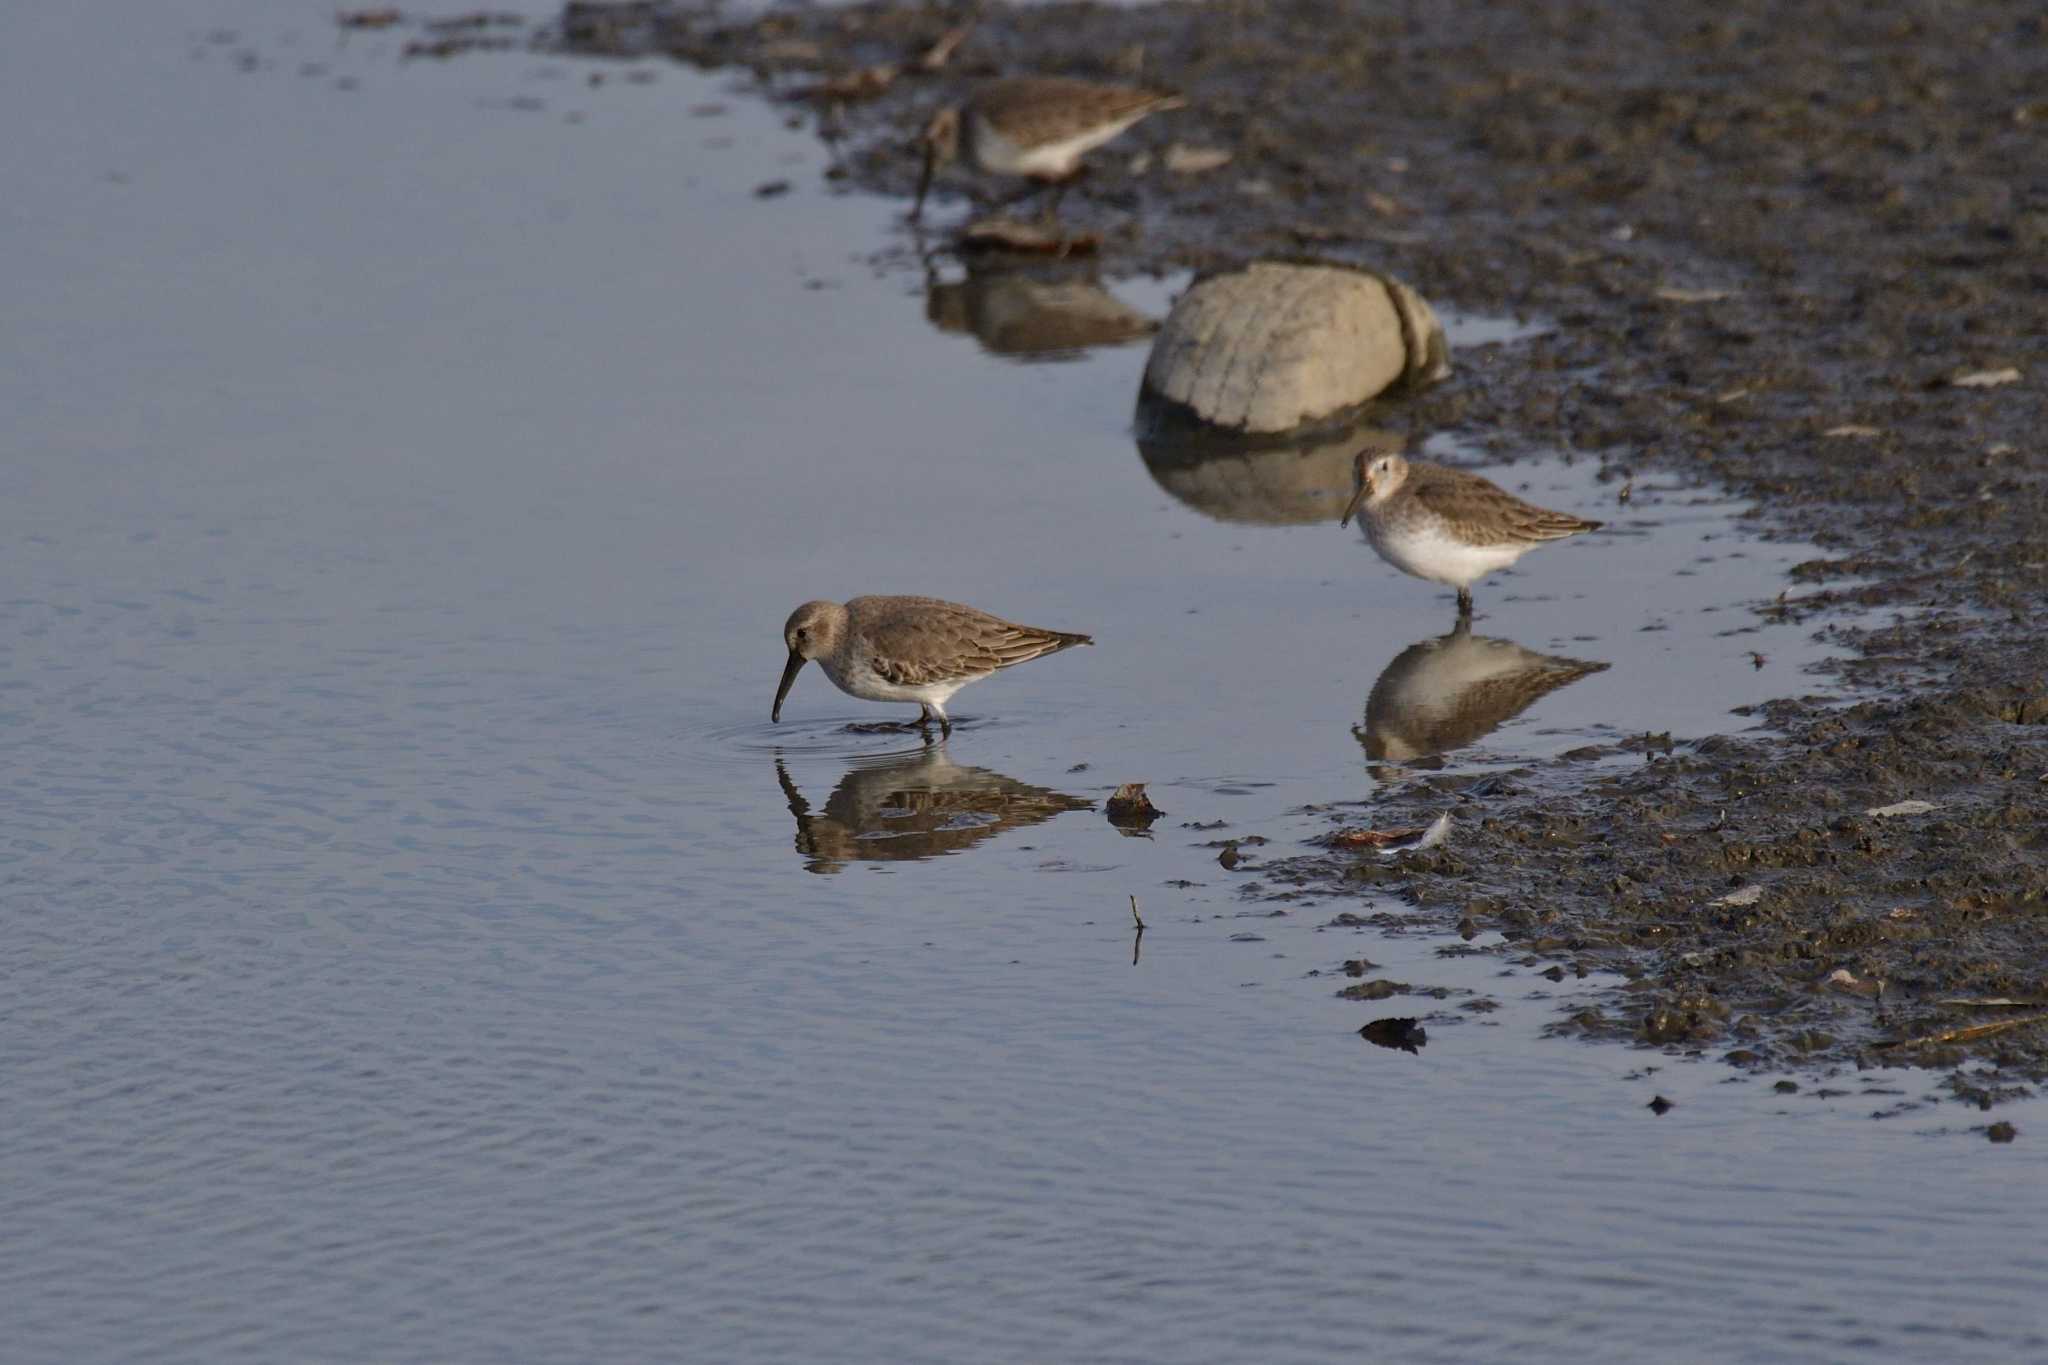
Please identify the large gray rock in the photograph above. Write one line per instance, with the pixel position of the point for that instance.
(1275, 345)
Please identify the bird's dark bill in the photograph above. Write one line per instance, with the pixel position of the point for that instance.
(1357, 501)
(789, 672)
(924, 181)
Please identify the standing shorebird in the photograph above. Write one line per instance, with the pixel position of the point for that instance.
(908, 649)
(1447, 525)
(1038, 127)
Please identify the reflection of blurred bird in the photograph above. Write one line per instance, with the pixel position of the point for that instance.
(1258, 482)
(1448, 525)
(1445, 693)
(1038, 127)
(1019, 313)
(922, 805)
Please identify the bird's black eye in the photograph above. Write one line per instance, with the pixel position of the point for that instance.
(802, 634)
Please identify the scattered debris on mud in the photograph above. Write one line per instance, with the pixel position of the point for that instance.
(1804, 260)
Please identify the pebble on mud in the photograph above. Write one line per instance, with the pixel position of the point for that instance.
(1900, 808)
(1275, 345)
(2001, 1132)
(1182, 159)
(1660, 1106)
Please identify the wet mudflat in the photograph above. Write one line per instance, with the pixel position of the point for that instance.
(425, 948)
(1800, 259)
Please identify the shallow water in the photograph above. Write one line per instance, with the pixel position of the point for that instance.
(424, 947)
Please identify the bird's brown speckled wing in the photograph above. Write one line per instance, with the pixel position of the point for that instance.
(1034, 110)
(1486, 514)
(913, 641)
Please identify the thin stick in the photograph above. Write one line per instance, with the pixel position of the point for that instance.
(1134, 915)
(1961, 1035)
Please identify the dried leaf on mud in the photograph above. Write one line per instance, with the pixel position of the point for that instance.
(1390, 841)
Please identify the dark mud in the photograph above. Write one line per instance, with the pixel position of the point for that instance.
(1769, 250)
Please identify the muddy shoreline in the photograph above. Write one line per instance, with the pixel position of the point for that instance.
(1769, 251)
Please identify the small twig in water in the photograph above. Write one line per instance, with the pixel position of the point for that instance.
(1134, 915)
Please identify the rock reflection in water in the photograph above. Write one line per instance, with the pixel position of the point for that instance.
(1254, 482)
(1042, 311)
(1445, 693)
(908, 806)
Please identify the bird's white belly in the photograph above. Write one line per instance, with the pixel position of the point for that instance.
(1050, 160)
(857, 679)
(1429, 552)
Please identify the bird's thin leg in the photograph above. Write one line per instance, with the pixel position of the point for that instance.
(1051, 212)
(923, 721)
(945, 722)
(1059, 190)
(1032, 188)
(1464, 604)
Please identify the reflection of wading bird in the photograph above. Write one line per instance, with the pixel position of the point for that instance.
(1038, 127)
(1447, 525)
(923, 806)
(908, 649)
(1019, 313)
(1446, 693)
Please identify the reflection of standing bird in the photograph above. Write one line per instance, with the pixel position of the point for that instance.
(917, 649)
(1448, 525)
(1446, 693)
(1037, 127)
(897, 809)
(1022, 314)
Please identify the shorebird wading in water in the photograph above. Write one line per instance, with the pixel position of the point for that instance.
(1447, 525)
(1038, 127)
(908, 649)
